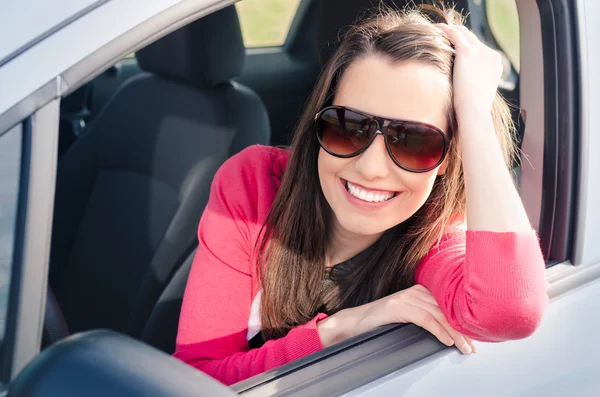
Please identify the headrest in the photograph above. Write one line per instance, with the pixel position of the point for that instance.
(205, 52)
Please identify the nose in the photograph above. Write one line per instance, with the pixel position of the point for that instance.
(374, 162)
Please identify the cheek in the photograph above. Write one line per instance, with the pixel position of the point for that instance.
(419, 187)
(323, 169)
(328, 166)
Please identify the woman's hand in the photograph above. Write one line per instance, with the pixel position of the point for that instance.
(413, 305)
(493, 202)
(477, 71)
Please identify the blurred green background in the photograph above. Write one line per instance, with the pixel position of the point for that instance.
(265, 23)
(504, 22)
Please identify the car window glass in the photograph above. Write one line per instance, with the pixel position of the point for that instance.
(10, 166)
(503, 20)
(266, 23)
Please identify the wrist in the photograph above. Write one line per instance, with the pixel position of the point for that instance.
(334, 329)
(477, 128)
(472, 114)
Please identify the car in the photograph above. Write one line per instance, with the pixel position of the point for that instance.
(115, 115)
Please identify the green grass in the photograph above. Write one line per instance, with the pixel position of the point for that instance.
(266, 23)
(504, 22)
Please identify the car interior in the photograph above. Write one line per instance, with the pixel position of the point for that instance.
(139, 145)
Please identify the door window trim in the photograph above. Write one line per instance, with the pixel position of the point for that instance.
(29, 276)
(562, 126)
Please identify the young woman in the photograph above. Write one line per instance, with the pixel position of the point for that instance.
(394, 204)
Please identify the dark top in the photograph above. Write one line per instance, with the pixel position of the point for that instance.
(336, 273)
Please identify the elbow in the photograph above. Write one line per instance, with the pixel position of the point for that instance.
(509, 320)
(524, 323)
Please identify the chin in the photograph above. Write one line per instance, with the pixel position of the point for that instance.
(364, 228)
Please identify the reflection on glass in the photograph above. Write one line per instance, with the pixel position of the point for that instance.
(10, 165)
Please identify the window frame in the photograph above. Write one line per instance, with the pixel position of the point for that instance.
(562, 126)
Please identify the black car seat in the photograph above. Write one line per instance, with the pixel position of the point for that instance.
(131, 190)
(74, 114)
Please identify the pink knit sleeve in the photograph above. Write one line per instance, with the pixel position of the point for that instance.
(491, 286)
(216, 306)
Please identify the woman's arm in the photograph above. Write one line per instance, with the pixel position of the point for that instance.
(492, 286)
(213, 326)
(493, 203)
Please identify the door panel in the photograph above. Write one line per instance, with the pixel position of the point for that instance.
(560, 359)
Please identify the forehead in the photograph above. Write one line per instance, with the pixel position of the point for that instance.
(408, 90)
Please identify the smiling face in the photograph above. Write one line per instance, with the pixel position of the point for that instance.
(369, 193)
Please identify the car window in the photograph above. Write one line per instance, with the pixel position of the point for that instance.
(503, 20)
(10, 167)
(266, 23)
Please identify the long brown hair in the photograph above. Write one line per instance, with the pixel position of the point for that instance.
(293, 246)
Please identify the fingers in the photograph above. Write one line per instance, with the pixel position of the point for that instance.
(454, 35)
(428, 322)
(471, 343)
(469, 35)
(462, 343)
(426, 301)
(460, 35)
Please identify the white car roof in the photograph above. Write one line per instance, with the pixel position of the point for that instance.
(41, 40)
(25, 21)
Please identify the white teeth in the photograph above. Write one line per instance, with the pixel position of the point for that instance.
(362, 194)
(365, 195)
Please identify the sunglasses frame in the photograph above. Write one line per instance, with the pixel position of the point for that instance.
(382, 123)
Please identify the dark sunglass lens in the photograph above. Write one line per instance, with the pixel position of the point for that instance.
(343, 132)
(415, 146)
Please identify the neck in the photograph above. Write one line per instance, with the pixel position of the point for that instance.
(345, 245)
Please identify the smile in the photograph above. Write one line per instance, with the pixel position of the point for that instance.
(370, 196)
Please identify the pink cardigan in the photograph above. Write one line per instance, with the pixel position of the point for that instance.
(491, 286)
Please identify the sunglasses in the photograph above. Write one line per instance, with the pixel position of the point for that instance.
(413, 146)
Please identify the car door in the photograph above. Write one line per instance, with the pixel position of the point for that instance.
(29, 123)
(558, 51)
